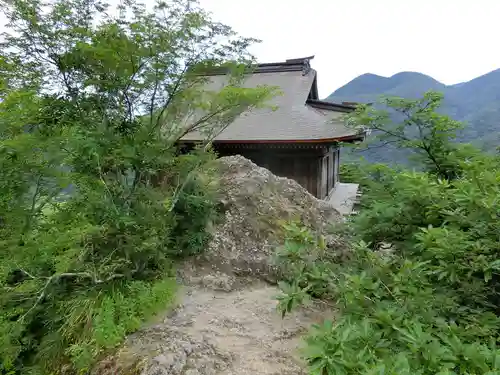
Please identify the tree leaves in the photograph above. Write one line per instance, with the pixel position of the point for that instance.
(92, 104)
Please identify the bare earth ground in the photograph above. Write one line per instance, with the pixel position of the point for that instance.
(215, 332)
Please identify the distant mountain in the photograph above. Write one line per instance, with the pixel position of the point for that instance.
(476, 102)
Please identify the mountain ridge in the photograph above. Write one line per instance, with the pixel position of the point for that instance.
(475, 102)
(412, 72)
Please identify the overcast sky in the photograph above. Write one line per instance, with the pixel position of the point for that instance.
(450, 40)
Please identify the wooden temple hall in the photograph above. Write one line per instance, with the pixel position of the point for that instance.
(299, 139)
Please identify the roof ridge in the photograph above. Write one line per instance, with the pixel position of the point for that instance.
(289, 65)
(297, 64)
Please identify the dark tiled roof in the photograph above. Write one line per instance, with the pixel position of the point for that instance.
(299, 116)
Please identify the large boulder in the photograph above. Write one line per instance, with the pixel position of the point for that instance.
(255, 204)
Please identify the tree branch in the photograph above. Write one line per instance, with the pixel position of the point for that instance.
(370, 147)
(38, 300)
(56, 277)
(153, 97)
(178, 191)
(101, 177)
(33, 204)
(129, 84)
(171, 96)
(204, 119)
(424, 146)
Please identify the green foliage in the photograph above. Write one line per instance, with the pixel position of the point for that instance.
(413, 125)
(306, 263)
(96, 200)
(419, 292)
(112, 314)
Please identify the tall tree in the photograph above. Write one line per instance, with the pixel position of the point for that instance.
(93, 101)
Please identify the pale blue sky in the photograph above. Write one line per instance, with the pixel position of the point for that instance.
(452, 41)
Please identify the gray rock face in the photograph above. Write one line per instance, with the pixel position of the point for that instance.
(256, 204)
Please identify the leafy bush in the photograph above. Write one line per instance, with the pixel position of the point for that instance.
(395, 318)
(81, 270)
(419, 292)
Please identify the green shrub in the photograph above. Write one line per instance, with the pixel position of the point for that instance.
(419, 292)
(91, 269)
(394, 317)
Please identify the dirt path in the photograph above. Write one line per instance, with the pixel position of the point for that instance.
(226, 333)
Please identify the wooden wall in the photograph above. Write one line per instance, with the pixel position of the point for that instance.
(301, 165)
(315, 167)
(329, 172)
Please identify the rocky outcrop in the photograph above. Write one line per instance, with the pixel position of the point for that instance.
(256, 204)
(226, 322)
